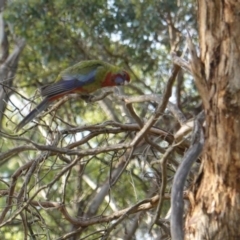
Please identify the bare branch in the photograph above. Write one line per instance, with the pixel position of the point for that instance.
(4, 48)
(181, 62)
(179, 180)
(7, 73)
(163, 163)
(12, 152)
(12, 188)
(161, 107)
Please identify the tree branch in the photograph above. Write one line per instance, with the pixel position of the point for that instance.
(179, 180)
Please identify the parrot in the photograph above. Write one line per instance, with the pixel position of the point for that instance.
(83, 78)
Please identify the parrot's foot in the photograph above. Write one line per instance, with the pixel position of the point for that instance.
(87, 98)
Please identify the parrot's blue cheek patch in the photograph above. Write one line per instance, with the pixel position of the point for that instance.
(119, 81)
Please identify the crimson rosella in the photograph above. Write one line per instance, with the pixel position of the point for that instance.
(84, 77)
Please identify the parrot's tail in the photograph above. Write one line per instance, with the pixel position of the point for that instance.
(41, 107)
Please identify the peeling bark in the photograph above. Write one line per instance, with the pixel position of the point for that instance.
(215, 207)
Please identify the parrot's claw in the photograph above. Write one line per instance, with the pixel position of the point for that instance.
(87, 98)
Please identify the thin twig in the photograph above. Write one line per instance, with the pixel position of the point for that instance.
(160, 109)
(120, 219)
(163, 163)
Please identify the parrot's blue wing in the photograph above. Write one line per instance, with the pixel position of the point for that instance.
(68, 83)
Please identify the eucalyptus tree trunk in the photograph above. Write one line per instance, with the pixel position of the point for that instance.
(215, 204)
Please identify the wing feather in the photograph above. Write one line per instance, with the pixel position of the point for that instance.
(68, 83)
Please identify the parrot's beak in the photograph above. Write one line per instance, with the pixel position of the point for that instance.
(125, 82)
